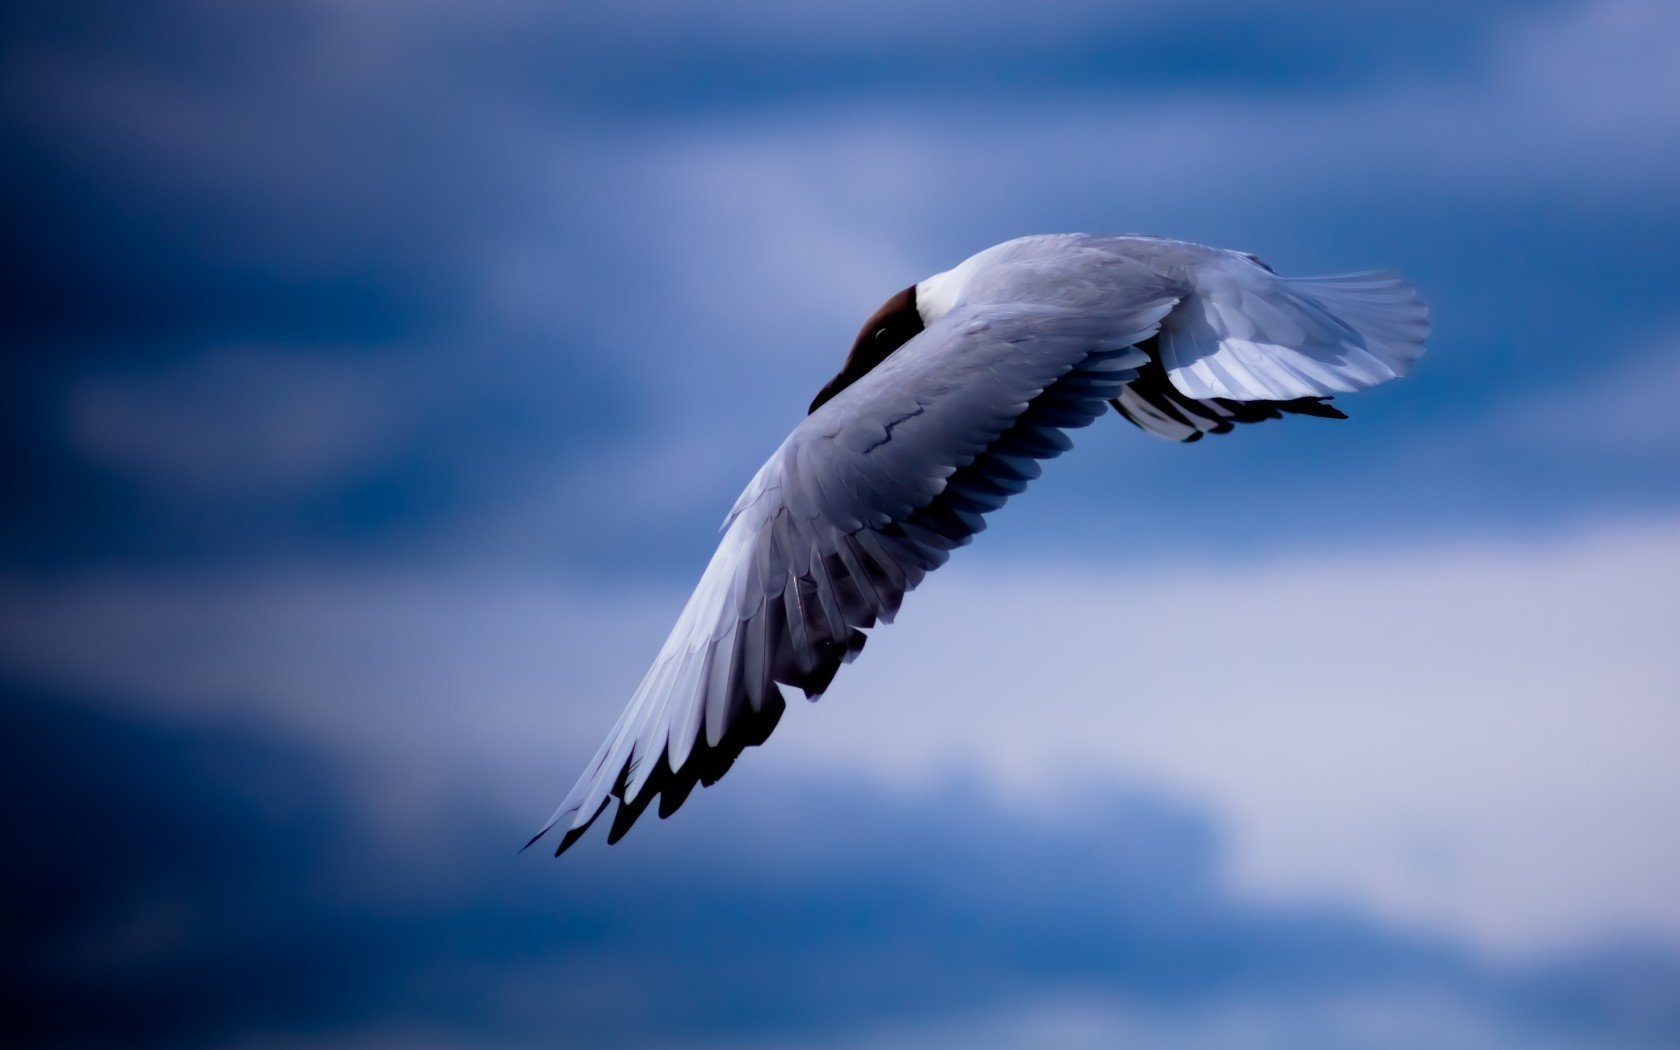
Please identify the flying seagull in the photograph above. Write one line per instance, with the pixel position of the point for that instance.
(953, 391)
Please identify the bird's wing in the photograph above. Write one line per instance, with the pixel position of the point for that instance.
(867, 495)
(1154, 405)
(1246, 334)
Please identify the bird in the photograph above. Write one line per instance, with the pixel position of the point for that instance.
(952, 394)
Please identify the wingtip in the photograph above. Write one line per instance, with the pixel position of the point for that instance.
(573, 833)
(547, 827)
(570, 838)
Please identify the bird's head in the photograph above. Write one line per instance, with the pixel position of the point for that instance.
(888, 328)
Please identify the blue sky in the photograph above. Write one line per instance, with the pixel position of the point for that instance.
(379, 374)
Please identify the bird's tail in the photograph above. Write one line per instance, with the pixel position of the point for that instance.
(1249, 335)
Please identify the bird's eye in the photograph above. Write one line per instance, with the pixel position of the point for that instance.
(880, 333)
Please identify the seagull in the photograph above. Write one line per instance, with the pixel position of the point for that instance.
(952, 393)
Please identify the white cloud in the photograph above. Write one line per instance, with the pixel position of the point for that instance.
(1471, 740)
(1475, 740)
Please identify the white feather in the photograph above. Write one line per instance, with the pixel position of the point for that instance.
(1250, 335)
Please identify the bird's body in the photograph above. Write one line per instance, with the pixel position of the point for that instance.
(953, 391)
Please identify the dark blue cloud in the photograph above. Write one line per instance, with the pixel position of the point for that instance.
(327, 181)
(759, 57)
(194, 885)
(445, 248)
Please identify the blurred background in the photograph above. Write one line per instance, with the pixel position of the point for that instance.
(377, 374)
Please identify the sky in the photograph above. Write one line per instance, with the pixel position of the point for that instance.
(378, 374)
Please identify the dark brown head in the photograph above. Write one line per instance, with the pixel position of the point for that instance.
(887, 329)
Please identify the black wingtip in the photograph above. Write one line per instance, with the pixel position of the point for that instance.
(1315, 406)
(626, 815)
(704, 767)
(571, 835)
(1217, 415)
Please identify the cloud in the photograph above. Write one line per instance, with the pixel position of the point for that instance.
(241, 419)
(1462, 740)
(1452, 738)
(1382, 1021)
(1614, 414)
(232, 891)
(567, 268)
(382, 370)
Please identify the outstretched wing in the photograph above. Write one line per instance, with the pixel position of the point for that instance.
(867, 495)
